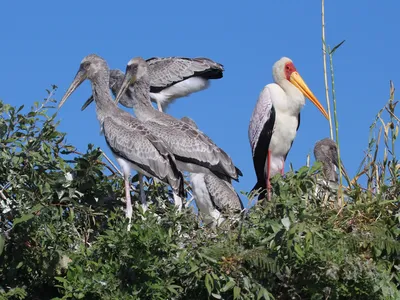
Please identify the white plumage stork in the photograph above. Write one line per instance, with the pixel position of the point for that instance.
(276, 119)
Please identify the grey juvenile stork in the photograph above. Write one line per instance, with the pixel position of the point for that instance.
(275, 121)
(214, 197)
(170, 78)
(132, 144)
(193, 150)
(325, 151)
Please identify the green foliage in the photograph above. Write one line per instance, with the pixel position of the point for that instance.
(63, 231)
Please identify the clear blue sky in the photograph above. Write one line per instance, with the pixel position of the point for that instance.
(43, 42)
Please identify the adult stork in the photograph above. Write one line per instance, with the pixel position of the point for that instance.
(132, 144)
(193, 150)
(170, 78)
(275, 121)
(215, 198)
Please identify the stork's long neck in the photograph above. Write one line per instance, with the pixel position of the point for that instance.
(295, 100)
(104, 103)
(329, 171)
(141, 103)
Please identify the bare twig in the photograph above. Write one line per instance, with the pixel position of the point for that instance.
(51, 93)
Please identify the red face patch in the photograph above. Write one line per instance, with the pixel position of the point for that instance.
(289, 69)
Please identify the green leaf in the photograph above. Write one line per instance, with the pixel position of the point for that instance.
(23, 219)
(236, 292)
(209, 283)
(173, 289)
(216, 296)
(2, 243)
(228, 286)
(286, 222)
(336, 47)
(299, 251)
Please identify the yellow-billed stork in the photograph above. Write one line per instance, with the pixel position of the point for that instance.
(276, 119)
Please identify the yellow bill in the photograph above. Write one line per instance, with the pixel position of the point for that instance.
(298, 82)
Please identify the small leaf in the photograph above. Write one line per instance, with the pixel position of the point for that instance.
(209, 283)
(228, 286)
(23, 219)
(298, 250)
(286, 222)
(236, 292)
(336, 47)
(216, 296)
(2, 242)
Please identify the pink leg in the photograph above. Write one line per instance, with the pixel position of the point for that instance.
(283, 167)
(128, 202)
(268, 177)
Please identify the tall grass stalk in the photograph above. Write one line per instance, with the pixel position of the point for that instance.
(328, 104)
(340, 192)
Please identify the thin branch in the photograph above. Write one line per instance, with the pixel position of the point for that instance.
(47, 99)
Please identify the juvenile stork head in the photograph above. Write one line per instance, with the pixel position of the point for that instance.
(325, 151)
(135, 70)
(284, 71)
(92, 67)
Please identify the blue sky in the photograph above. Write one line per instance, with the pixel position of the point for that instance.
(43, 42)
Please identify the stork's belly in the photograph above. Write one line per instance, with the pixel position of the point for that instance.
(283, 135)
(285, 130)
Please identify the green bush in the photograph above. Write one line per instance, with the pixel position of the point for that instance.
(64, 230)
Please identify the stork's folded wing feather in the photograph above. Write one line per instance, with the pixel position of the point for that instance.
(223, 197)
(166, 71)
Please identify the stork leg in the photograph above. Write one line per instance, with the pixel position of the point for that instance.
(142, 194)
(128, 202)
(159, 106)
(283, 167)
(268, 175)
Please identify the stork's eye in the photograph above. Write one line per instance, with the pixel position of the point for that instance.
(86, 65)
(287, 68)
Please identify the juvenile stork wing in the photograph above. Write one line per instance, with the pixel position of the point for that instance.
(167, 71)
(133, 142)
(222, 196)
(260, 132)
(190, 145)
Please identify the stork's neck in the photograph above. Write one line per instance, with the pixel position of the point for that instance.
(329, 171)
(141, 103)
(101, 93)
(295, 100)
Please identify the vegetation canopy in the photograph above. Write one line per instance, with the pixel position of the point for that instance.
(63, 228)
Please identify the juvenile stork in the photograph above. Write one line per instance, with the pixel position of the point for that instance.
(132, 144)
(214, 197)
(193, 150)
(170, 78)
(275, 121)
(325, 151)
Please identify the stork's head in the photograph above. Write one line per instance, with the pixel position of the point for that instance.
(284, 70)
(135, 70)
(92, 67)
